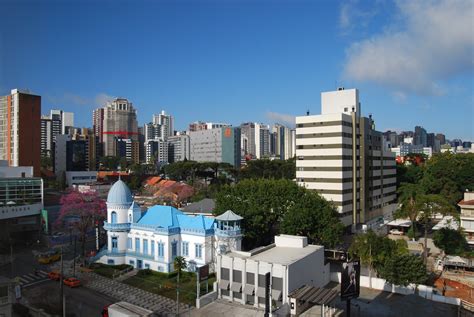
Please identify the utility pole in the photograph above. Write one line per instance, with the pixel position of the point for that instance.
(11, 257)
(61, 290)
(74, 258)
(177, 296)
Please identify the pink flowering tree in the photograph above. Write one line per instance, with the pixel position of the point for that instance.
(87, 206)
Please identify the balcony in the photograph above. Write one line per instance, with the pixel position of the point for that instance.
(140, 255)
(228, 232)
(116, 226)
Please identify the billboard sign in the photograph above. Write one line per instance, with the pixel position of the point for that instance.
(203, 272)
(350, 280)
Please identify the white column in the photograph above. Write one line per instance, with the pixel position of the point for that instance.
(219, 264)
(256, 285)
(231, 278)
(244, 282)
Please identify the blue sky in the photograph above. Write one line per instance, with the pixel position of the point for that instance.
(237, 61)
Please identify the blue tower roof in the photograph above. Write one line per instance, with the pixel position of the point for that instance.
(119, 194)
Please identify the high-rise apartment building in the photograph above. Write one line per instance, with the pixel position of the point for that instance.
(157, 152)
(20, 130)
(179, 148)
(166, 122)
(58, 122)
(200, 125)
(441, 137)
(117, 120)
(128, 148)
(255, 140)
(281, 142)
(341, 155)
(420, 136)
(216, 145)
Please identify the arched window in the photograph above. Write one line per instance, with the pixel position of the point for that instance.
(130, 218)
(113, 217)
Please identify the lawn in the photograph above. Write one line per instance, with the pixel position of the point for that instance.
(108, 270)
(165, 284)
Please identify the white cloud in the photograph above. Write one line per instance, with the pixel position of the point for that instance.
(77, 100)
(351, 17)
(433, 42)
(282, 118)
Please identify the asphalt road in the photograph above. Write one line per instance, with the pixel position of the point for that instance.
(80, 301)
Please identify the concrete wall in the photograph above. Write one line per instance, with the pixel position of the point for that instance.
(381, 284)
(309, 270)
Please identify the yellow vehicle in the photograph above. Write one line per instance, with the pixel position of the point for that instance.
(49, 257)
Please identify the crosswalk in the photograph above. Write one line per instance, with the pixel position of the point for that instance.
(32, 278)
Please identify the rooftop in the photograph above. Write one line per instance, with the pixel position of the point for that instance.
(287, 249)
(229, 215)
(170, 217)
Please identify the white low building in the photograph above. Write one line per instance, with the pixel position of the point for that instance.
(467, 216)
(291, 262)
(153, 239)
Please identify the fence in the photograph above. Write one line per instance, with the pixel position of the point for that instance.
(382, 285)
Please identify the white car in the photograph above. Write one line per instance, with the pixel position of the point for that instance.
(396, 232)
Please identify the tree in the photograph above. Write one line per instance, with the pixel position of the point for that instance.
(314, 217)
(374, 251)
(430, 205)
(451, 241)
(88, 206)
(265, 168)
(179, 264)
(449, 175)
(408, 195)
(404, 269)
(265, 203)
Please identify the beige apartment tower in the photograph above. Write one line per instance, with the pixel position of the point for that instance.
(341, 155)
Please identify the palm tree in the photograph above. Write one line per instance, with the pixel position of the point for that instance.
(430, 205)
(179, 264)
(362, 247)
(409, 207)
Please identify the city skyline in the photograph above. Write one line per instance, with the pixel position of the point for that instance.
(244, 62)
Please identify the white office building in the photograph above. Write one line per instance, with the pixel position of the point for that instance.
(291, 262)
(341, 155)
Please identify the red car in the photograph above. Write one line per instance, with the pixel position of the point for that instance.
(72, 282)
(55, 276)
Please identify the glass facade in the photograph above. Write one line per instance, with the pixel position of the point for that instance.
(20, 191)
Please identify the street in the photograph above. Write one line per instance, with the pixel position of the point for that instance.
(80, 301)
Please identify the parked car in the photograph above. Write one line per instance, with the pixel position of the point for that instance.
(396, 232)
(49, 257)
(72, 282)
(55, 276)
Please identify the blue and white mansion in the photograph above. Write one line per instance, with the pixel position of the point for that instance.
(151, 240)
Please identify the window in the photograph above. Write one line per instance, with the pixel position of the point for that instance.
(113, 217)
(147, 266)
(152, 247)
(110, 262)
(129, 244)
(161, 249)
(132, 263)
(114, 244)
(130, 218)
(185, 249)
(137, 245)
(174, 249)
(198, 250)
(145, 246)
